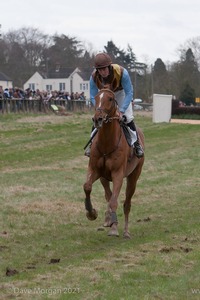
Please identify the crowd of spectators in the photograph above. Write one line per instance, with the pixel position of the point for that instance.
(17, 93)
(46, 99)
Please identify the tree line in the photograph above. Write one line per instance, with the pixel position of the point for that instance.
(27, 50)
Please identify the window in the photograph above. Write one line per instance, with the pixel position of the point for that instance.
(32, 86)
(61, 86)
(83, 86)
(48, 87)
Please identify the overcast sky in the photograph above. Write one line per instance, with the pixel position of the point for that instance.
(153, 28)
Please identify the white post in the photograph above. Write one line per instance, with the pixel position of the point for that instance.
(162, 108)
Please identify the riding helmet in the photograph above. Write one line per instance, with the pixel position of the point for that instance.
(102, 60)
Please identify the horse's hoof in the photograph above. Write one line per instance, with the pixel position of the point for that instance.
(113, 232)
(92, 215)
(126, 235)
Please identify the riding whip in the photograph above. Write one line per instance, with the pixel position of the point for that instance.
(93, 135)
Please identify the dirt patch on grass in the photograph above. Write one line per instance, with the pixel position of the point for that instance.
(185, 121)
(53, 119)
(51, 207)
(149, 114)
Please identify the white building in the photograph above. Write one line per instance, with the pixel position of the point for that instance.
(5, 81)
(61, 79)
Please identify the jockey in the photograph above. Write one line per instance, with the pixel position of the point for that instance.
(119, 82)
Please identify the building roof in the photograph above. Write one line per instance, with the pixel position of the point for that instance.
(85, 74)
(4, 77)
(60, 72)
(66, 72)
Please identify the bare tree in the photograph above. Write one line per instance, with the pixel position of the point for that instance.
(24, 52)
(194, 45)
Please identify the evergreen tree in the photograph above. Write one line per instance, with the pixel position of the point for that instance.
(117, 55)
(188, 72)
(187, 95)
(160, 77)
(64, 52)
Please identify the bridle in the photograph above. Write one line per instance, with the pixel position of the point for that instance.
(107, 116)
(108, 113)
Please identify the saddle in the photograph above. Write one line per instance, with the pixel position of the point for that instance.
(127, 134)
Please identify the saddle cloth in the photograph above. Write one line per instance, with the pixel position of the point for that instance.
(131, 136)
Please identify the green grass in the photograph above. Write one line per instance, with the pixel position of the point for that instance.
(186, 116)
(42, 215)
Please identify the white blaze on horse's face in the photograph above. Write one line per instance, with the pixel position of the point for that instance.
(100, 97)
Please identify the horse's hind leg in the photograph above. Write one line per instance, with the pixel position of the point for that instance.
(108, 193)
(130, 190)
(117, 180)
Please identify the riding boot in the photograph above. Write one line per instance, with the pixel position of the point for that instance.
(138, 148)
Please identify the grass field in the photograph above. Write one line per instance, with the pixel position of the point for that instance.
(50, 250)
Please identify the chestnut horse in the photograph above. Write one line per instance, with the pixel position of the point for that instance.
(111, 160)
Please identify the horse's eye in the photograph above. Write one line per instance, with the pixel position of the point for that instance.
(110, 99)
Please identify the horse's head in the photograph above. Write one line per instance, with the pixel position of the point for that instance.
(105, 107)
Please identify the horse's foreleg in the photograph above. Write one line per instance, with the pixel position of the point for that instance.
(91, 212)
